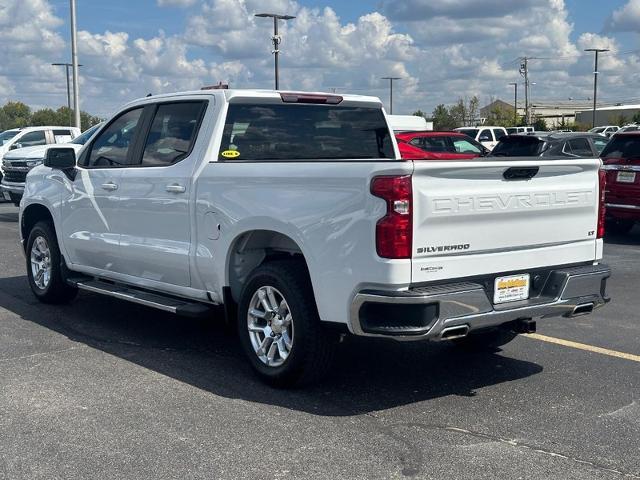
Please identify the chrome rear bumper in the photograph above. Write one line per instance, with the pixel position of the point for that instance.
(426, 312)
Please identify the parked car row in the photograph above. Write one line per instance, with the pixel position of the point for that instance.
(19, 138)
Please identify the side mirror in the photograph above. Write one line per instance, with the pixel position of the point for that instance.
(62, 158)
(15, 146)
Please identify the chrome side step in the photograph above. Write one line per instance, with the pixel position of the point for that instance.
(169, 304)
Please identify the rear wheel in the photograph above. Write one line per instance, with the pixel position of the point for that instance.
(44, 266)
(620, 226)
(486, 340)
(279, 326)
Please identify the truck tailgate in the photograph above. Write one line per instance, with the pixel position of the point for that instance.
(470, 220)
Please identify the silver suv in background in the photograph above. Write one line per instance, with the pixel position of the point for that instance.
(17, 163)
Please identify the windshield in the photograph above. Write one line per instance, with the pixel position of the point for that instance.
(622, 146)
(518, 146)
(597, 130)
(7, 135)
(259, 132)
(472, 132)
(82, 139)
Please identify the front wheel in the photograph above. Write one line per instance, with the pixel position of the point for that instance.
(44, 266)
(279, 326)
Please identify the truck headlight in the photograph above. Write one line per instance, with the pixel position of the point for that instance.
(34, 163)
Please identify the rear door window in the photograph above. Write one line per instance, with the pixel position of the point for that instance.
(32, 139)
(498, 133)
(463, 146)
(485, 136)
(172, 134)
(285, 132)
(580, 147)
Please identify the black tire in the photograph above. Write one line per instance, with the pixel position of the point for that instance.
(486, 340)
(619, 227)
(312, 345)
(56, 290)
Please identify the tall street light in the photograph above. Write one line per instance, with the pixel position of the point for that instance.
(391, 79)
(74, 63)
(515, 103)
(276, 39)
(67, 65)
(595, 80)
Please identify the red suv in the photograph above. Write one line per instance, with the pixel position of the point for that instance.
(621, 159)
(438, 146)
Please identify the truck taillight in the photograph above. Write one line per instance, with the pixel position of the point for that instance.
(602, 183)
(394, 231)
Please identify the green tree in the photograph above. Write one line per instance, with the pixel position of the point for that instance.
(442, 119)
(14, 115)
(419, 113)
(45, 116)
(540, 124)
(636, 117)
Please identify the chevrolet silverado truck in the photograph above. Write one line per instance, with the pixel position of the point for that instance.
(296, 212)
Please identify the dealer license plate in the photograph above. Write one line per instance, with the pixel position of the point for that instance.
(511, 288)
(626, 177)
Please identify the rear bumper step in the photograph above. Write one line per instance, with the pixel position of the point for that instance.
(169, 304)
(452, 310)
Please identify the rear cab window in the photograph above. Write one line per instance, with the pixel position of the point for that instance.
(294, 131)
(622, 146)
(62, 136)
(519, 146)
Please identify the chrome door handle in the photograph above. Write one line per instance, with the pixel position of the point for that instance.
(175, 188)
(110, 186)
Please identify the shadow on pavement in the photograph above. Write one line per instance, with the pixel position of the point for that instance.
(9, 217)
(369, 375)
(631, 238)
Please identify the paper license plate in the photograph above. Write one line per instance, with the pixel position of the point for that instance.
(626, 177)
(511, 288)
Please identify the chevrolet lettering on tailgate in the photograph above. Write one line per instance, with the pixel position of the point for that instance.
(490, 203)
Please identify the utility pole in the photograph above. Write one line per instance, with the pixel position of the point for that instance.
(276, 39)
(595, 80)
(524, 71)
(67, 65)
(391, 79)
(74, 62)
(515, 103)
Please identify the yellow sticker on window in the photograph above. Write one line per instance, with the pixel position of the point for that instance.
(230, 153)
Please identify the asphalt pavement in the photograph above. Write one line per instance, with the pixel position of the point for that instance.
(101, 389)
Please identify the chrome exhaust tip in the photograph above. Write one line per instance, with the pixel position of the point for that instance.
(457, 331)
(583, 309)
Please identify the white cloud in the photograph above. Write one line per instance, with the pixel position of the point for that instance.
(625, 19)
(441, 49)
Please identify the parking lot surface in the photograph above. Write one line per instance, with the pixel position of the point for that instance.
(106, 389)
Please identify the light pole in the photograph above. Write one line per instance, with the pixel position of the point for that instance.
(595, 80)
(74, 63)
(391, 79)
(515, 103)
(67, 65)
(276, 39)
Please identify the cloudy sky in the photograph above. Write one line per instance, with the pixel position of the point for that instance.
(442, 49)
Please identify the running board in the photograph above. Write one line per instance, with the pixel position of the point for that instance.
(141, 297)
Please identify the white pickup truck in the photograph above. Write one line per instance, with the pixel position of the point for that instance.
(295, 211)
